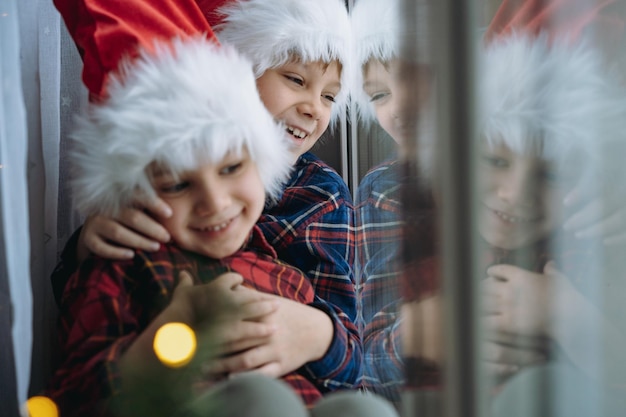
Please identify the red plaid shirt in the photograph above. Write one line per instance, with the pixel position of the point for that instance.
(107, 304)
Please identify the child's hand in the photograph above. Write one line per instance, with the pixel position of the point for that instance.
(116, 238)
(223, 300)
(519, 302)
(208, 309)
(228, 316)
(503, 358)
(598, 218)
(302, 334)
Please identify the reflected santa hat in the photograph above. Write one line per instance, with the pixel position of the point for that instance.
(177, 103)
(380, 32)
(272, 32)
(543, 83)
(375, 31)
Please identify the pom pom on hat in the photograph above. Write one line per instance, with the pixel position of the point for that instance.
(188, 103)
(272, 32)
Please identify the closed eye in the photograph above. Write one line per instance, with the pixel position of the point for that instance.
(378, 96)
(329, 97)
(556, 177)
(231, 168)
(294, 79)
(174, 188)
(495, 161)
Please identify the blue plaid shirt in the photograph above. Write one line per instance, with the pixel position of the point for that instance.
(312, 228)
(379, 231)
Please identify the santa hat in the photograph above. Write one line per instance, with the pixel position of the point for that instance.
(188, 103)
(104, 31)
(563, 19)
(548, 88)
(375, 33)
(549, 95)
(272, 32)
(379, 32)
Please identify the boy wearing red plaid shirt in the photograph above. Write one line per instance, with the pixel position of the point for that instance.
(299, 51)
(207, 146)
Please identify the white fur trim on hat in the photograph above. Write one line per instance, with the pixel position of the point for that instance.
(189, 103)
(375, 26)
(550, 96)
(380, 32)
(272, 32)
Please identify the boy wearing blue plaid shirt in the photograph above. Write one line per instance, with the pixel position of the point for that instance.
(299, 53)
(208, 147)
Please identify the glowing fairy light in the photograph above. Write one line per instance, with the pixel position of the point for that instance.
(175, 344)
(41, 407)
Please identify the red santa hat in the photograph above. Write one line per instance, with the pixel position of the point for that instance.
(544, 84)
(180, 104)
(107, 30)
(272, 32)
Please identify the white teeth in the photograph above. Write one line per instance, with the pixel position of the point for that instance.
(215, 228)
(512, 219)
(296, 132)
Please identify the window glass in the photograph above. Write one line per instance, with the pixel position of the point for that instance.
(490, 203)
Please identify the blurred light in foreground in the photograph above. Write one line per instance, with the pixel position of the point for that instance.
(41, 407)
(175, 344)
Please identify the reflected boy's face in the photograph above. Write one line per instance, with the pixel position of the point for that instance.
(396, 91)
(214, 206)
(301, 95)
(520, 197)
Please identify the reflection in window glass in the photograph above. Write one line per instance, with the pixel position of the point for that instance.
(547, 207)
(551, 120)
(393, 97)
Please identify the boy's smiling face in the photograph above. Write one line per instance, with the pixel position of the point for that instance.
(214, 206)
(520, 197)
(396, 92)
(301, 95)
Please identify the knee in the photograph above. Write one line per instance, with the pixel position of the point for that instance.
(249, 395)
(353, 404)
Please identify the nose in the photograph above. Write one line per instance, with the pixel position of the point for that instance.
(517, 187)
(400, 115)
(311, 105)
(405, 120)
(404, 109)
(211, 198)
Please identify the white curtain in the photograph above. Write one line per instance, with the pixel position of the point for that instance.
(13, 203)
(41, 89)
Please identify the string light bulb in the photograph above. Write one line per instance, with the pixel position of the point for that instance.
(175, 344)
